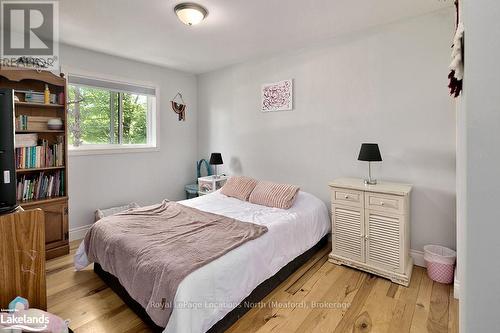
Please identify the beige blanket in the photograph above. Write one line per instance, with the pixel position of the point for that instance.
(152, 249)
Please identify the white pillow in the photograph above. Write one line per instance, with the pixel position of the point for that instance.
(100, 213)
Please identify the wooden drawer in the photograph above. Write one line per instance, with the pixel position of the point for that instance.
(347, 197)
(385, 202)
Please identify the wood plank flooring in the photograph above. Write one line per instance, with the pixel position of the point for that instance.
(318, 297)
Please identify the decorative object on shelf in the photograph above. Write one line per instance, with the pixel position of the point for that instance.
(369, 152)
(456, 67)
(60, 98)
(46, 95)
(179, 108)
(277, 96)
(55, 124)
(215, 160)
(190, 13)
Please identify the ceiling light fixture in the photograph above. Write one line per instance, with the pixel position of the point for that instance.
(190, 13)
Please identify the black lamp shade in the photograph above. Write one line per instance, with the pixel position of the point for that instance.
(369, 152)
(216, 159)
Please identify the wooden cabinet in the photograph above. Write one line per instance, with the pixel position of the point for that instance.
(22, 249)
(371, 228)
(56, 226)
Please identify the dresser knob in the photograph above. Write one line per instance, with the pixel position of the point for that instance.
(382, 203)
(346, 196)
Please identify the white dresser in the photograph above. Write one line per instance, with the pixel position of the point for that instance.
(371, 228)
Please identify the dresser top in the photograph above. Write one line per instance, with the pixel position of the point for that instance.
(380, 187)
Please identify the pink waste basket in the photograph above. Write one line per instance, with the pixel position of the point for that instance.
(440, 263)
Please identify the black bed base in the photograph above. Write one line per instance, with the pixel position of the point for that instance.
(222, 325)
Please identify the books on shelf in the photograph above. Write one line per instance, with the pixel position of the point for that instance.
(32, 123)
(43, 155)
(40, 186)
(31, 96)
(22, 122)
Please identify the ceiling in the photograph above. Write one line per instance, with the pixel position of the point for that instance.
(233, 32)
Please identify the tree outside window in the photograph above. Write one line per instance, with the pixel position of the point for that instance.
(99, 116)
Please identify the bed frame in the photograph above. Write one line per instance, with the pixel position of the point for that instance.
(222, 325)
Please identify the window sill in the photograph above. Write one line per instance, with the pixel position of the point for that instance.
(108, 150)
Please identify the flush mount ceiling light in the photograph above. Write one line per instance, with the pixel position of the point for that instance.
(190, 13)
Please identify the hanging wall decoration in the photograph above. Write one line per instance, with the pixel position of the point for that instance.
(277, 96)
(178, 106)
(456, 75)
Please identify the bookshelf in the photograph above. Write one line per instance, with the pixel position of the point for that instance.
(41, 164)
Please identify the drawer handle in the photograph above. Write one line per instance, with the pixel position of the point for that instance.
(382, 203)
(346, 196)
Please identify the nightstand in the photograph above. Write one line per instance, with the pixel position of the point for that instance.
(371, 228)
(210, 184)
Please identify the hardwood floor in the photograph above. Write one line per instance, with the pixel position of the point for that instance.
(319, 297)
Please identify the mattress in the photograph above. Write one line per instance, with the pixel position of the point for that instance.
(209, 293)
(206, 295)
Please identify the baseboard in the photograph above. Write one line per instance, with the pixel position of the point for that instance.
(79, 232)
(456, 287)
(418, 257)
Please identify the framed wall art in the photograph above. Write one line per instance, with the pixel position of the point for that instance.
(277, 96)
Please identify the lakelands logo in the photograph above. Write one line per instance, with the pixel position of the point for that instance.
(24, 322)
(30, 34)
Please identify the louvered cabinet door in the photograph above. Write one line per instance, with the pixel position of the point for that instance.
(384, 240)
(348, 231)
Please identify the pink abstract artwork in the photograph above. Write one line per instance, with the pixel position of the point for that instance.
(277, 96)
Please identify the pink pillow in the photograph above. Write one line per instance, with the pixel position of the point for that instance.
(239, 187)
(274, 195)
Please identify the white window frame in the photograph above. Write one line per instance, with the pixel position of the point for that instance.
(153, 120)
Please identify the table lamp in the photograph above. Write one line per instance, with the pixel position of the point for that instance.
(215, 160)
(369, 152)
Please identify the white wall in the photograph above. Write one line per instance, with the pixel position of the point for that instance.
(480, 290)
(385, 85)
(108, 180)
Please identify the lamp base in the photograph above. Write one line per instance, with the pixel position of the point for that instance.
(370, 182)
(216, 174)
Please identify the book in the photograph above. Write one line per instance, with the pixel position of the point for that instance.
(40, 186)
(21, 122)
(42, 155)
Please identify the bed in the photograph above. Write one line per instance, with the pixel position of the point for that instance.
(208, 299)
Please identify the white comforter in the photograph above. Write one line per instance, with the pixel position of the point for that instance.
(205, 296)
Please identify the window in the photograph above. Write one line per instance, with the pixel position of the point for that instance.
(106, 115)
